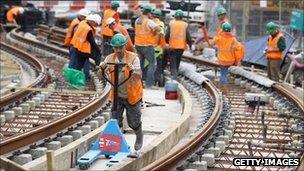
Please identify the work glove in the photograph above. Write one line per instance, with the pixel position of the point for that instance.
(131, 67)
(103, 65)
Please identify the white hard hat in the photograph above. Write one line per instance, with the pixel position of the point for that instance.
(21, 10)
(94, 17)
(84, 12)
(110, 21)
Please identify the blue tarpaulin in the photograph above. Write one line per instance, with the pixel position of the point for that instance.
(254, 49)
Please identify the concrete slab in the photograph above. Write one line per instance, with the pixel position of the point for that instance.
(155, 120)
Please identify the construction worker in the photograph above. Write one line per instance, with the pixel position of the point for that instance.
(84, 42)
(118, 28)
(159, 45)
(222, 16)
(82, 14)
(145, 29)
(178, 36)
(274, 51)
(12, 14)
(227, 47)
(106, 32)
(130, 93)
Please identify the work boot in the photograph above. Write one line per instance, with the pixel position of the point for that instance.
(139, 139)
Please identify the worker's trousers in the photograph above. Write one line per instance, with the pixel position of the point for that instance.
(74, 61)
(133, 113)
(147, 52)
(224, 75)
(273, 69)
(175, 56)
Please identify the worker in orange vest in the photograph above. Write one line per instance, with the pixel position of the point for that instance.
(227, 48)
(82, 14)
(84, 41)
(274, 51)
(106, 32)
(12, 14)
(178, 37)
(118, 28)
(145, 29)
(131, 92)
(159, 48)
(222, 17)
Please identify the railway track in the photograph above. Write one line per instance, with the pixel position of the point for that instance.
(229, 129)
(251, 133)
(272, 131)
(44, 117)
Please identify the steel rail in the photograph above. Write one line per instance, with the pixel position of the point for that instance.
(41, 79)
(169, 161)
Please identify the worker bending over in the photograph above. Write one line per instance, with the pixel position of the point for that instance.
(12, 14)
(106, 32)
(84, 41)
(118, 28)
(274, 51)
(178, 37)
(82, 14)
(229, 51)
(131, 92)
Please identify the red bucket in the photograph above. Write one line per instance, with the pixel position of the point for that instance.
(171, 95)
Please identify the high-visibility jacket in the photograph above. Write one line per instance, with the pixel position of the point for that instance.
(219, 27)
(178, 34)
(143, 33)
(70, 32)
(226, 46)
(12, 14)
(79, 40)
(121, 29)
(272, 44)
(134, 87)
(159, 39)
(105, 30)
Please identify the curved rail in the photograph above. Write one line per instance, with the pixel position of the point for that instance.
(169, 161)
(41, 79)
(43, 131)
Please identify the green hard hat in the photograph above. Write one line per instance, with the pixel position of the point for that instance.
(157, 12)
(146, 7)
(179, 13)
(118, 40)
(221, 11)
(226, 27)
(115, 4)
(271, 27)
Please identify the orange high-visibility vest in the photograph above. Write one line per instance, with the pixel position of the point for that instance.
(70, 32)
(219, 27)
(143, 33)
(105, 30)
(272, 43)
(226, 46)
(79, 40)
(178, 34)
(134, 87)
(159, 40)
(121, 29)
(12, 13)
